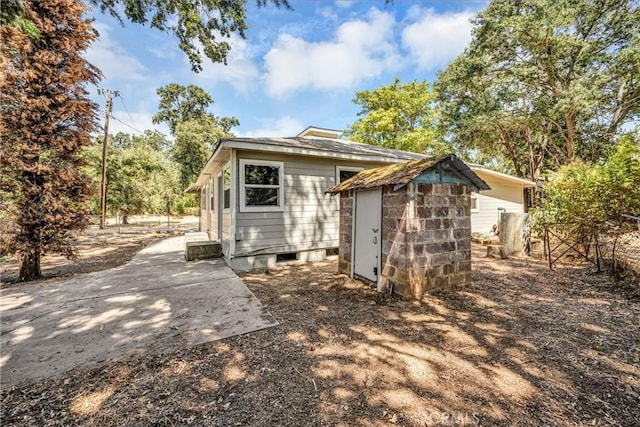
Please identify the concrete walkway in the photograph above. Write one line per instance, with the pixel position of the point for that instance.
(155, 303)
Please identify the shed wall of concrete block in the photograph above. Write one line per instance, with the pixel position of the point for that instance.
(426, 238)
(346, 227)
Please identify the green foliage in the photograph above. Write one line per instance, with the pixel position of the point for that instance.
(195, 130)
(545, 82)
(594, 195)
(194, 142)
(180, 103)
(141, 178)
(12, 13)
(201, 26)
(399, 116)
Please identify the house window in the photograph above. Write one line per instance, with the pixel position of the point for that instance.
(203, 198)
(342, 174)
(226, 182)
(475, 202)
(261, 185)
(212, 206)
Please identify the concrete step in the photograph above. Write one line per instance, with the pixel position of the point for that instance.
(198, 246)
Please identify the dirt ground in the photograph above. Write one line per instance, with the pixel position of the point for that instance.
(522, 345)
(98, 250)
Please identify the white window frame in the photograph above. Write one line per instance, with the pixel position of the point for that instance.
(280, 206)
(476, 196)
(225, 188)
(212, 202)
(348, 169)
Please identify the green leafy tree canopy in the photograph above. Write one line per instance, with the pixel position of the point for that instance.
(194, 142)
(141, 177)
(196, 131)
(399, 116)
(201, 26)
(545, 82)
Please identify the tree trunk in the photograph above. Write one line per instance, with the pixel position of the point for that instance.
(30, 266)
(125, 219)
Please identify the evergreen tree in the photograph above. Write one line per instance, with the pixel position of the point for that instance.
(46, 121)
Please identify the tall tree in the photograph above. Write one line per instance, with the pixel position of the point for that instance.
(46, 122)
(201, 26)
(181, 103)
(196, 131)
(140, 174)
(545, 82)
(194, 142)
(398, 116)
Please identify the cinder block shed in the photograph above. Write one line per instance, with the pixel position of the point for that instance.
(407, 227)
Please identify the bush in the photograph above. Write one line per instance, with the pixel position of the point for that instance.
(594, 196)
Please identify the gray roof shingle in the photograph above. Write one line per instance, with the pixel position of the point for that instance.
(332, 145)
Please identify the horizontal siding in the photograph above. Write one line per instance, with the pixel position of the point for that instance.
(309, 220)
(503, 194)
(226, 233)
(297, 234)
(203, 220)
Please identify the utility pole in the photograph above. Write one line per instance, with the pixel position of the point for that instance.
(103, 181)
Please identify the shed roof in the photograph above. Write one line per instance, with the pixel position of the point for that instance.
(403, 173)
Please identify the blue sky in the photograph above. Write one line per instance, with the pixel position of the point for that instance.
(294, 69)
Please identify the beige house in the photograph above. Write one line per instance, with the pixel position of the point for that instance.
(264, 199)
(507, 194)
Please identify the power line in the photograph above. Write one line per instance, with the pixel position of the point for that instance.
(127, 110)
(126, 124)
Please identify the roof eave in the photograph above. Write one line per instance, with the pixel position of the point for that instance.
(507, 177)
(205, 173)
(271, 148)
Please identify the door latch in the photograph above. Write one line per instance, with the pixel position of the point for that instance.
(375, 271)
(375, 240)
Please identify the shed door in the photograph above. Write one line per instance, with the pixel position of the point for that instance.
(367, 230)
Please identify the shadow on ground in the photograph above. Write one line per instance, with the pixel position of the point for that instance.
(521, 345)
(156, 303)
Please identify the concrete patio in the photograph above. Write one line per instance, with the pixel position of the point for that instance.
(155, 303)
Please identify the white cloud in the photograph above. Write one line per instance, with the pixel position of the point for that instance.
(110, 57)
(435, 39)
(284, 126)
(240, 71)
(344, 4)
(361, 49)
(135, 123)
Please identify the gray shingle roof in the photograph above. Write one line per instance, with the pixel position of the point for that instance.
(333, 146)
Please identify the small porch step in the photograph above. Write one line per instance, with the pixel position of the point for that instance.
(198, 246)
